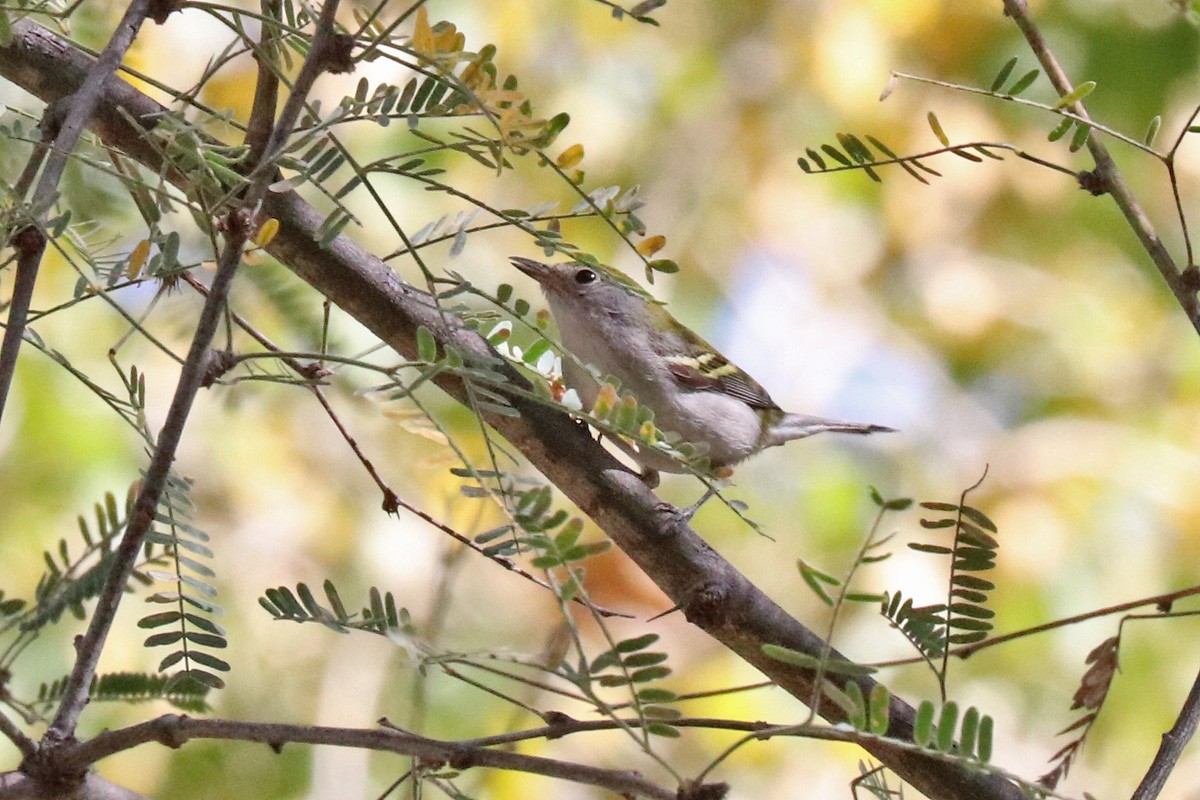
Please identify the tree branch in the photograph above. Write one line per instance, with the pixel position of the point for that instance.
(1173, 742)
(174, 730)
(239, 227)
(1108, 176)
(30, 242)
(711, 592)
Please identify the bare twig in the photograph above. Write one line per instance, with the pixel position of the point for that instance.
(17, 736)
(1107, 176)
(173, 731)
(1173, 742)
(30, 242)
(1163, 601)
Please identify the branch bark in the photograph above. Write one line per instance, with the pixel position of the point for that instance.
(711, 592)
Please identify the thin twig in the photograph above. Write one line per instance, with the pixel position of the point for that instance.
(1162, 601)
(1106, 173)
(31, 240)
(17, 736)
(174, 730)
(1173, 742)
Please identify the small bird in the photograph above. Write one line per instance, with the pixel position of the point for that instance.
(608, 322)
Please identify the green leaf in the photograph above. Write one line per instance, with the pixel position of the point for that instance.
(426, 345)
(1075, 95)
(969, 732)
(947, 722)
(968, 610)
(647, 674)
(205, 677)
(836, 155)
(1152, 131)
(160, 639)
(209, 660)
(637, 643)
(663, 265)
(856, 711)
(879, 709)
(935, 549)
(644, 659)
(1002, 76)
(1023, 83)
(206, 640)
(553, 128)
(923, 726)
(798, 659)
(984, 739)
(936, 127)
(972, 582)
(979, 518)
(663, 729)
(535, 351)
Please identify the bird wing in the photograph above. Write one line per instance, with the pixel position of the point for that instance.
(698, 366)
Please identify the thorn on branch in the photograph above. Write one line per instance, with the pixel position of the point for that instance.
(1092, 182)
(391, 503)
(1190, 278)
(560, 724)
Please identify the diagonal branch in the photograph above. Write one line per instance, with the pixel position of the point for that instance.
(239, 227)
(712, 593)
(1173, 742)
(30, 242)
(1108, 178)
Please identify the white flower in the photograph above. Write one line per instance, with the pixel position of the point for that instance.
(570, 399)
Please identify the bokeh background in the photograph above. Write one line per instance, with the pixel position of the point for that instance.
(998, 317)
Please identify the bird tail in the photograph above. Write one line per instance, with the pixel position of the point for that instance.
(798, 426)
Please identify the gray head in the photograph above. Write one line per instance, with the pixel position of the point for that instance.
(579, 292)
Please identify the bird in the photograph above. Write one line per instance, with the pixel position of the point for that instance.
(612, 327)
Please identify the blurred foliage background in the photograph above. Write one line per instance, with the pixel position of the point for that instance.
(999, 316)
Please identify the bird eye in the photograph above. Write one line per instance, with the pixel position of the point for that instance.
(585, 276)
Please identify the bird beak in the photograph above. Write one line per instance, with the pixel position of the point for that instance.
(535, 269)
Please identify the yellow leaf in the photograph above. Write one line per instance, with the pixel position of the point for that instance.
(570, 157)
(650, 246)
(498, 96)
(423, 429)
(445, 36)
(137, 259)
(422, 38)
(266, 232)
